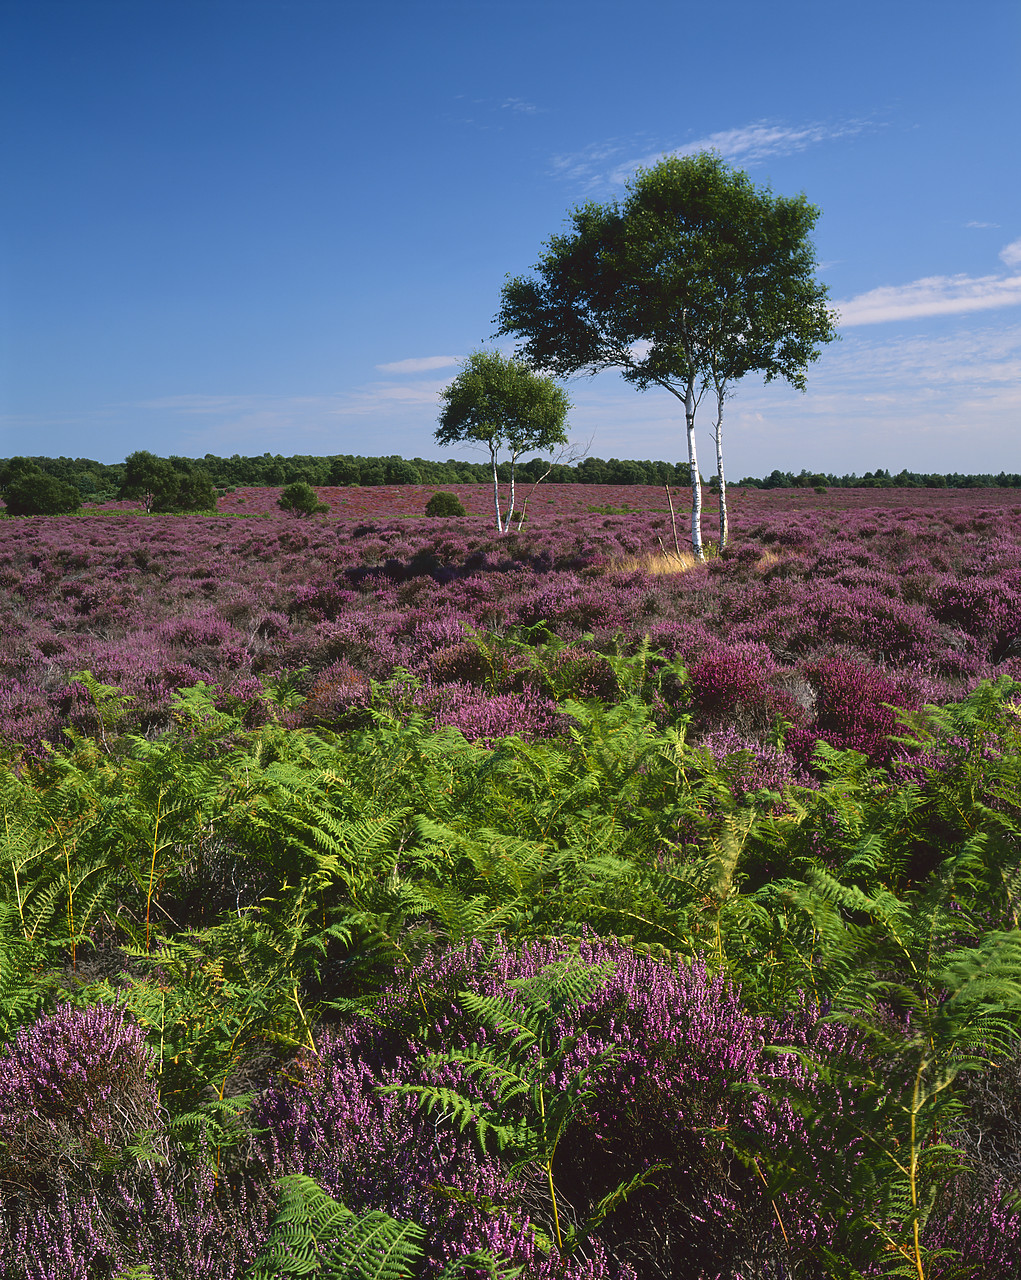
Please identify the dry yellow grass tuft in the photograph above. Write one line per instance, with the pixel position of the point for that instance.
(767, 560)
(655, 562)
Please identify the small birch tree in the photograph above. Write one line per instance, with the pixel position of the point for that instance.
(501, 403)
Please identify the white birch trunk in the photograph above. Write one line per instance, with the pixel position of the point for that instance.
(496, 494)
(696, 483)
(724, 531)
(510, 512)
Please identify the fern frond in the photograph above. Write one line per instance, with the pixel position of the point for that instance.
(313, 1234)
(375, 1247)
(492, 1265)
(22, 991)
(577, 1236)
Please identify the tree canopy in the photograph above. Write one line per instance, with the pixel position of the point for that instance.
(29, 491)
(501, 403)
(147, 477)
(696, 278)
(193, 491)
(162, 484)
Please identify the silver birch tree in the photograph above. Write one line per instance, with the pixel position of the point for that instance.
(695, 270)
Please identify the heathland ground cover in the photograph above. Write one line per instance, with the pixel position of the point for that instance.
(382, 895)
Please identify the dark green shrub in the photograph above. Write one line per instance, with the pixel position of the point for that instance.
(37, 494)
(444, 504)
(193, 492)
(299, 498)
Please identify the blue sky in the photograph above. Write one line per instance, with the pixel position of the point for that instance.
(240, 227)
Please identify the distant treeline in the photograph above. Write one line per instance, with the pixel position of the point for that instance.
(99, 480)
(96, 479)
(883, 480)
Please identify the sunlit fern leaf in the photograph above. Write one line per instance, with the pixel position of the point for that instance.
(491, 1265)
(314, 1235)
(984, 992)
(22, 991)
(305, 1215)
(499, 1077)
(215, 1125)
(460, 919)
(375, 1247)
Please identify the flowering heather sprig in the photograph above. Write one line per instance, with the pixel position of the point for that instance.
(750, 765)
(336, 697)
(182, 1223)
(74, 1091)
(988, 1239)
(734, 680)
(853, 710)
(484, 719)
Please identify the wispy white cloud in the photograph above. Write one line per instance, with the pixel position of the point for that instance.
(486, 113)
(368, 398)
(418, 364)
(589, 166)
(754, 142)
(932, 296)
(981, 226)
(520, 106)
(977, 361)
(609, 164)
(1010, 254)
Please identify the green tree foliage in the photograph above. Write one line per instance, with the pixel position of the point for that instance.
(299, 498)
(398, 471)
(29, 491)
(695, 279)
(162, 484)
(41, 495)
(502, 404)
(148, 478)
(15, 469)
(100, 482)
(445, 504)
(193, 491)
(344, 471)
(92, 479)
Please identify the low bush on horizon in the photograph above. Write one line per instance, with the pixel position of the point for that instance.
(444, 504)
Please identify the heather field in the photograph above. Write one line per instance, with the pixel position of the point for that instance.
(823, 609)
(384, 896)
